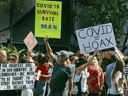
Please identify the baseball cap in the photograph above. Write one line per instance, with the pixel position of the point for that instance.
(62, 53)
(70, 53)
(81, 60)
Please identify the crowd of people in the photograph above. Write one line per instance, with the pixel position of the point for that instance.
(64, 73)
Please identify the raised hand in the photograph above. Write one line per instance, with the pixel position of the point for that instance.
(46, 38)
(96, 51)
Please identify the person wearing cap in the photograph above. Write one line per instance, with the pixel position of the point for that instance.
(80, 79)
(72, 57)
(81, 74)
(62, 72)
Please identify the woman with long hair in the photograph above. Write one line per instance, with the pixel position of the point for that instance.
(96, 78)
(118, 79)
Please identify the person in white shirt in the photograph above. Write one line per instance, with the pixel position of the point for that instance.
(81, 75)
(126, 69)
(118, 79)
(28, 91)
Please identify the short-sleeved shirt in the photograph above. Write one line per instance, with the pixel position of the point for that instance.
(60, 75)
(95, 80)
(84, 81)
(126, 72)
(109, 70)
(120, 83)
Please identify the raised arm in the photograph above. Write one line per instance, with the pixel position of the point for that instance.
(82, 67)
(49, 50)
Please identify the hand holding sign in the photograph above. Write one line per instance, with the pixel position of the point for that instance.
(17, 76)
(46, 38)
(96, 51)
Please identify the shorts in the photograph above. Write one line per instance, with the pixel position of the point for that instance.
(40, 88)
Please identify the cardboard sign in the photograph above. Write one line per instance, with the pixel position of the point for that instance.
(119, 52)
(101, 37)
(48, 19)
(30, 41)
(17, 76)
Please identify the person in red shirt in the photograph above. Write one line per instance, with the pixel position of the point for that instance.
(96, 78)
(43, 67)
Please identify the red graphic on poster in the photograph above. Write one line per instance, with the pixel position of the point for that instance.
(30, 41)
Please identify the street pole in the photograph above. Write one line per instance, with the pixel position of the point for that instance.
(11, 23)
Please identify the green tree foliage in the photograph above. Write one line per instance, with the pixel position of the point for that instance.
(103, 11)
(15, 4)
(10, 6)
(10, 51)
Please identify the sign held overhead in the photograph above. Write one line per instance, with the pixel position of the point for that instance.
(101, 37)
(30, 41)
(48, 19)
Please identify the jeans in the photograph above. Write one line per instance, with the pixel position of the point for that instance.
(40, 87)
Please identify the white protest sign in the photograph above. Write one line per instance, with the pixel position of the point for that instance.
(38, 74)
(101, 37)
(17, 76)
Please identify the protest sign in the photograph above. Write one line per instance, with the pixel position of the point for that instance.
(119, 52)
(30, 41)
(17, 76)
(48, 19)
(100, 37)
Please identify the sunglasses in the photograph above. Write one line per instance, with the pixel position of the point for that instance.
(11, 59)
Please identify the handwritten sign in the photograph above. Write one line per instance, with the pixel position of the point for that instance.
(101, 37)
(17, 76)
(48, 19)
(30, 41)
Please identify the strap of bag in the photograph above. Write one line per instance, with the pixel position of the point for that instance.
(79, 86)
(42, 67)
(109, 53)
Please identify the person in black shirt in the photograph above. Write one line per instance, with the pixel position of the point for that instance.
(61, 72)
